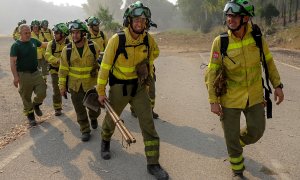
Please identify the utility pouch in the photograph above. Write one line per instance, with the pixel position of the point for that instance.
(220, 84)
(142, 71)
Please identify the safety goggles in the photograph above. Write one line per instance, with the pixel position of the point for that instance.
(95, 22)
(74, 25)
(141, 10)
(235, 8)
(55, 29)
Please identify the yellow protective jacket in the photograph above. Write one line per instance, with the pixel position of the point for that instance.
(123, 68)
(53, 58)
(79, 69)
(47, 35)
(16, 34)
(40, 50)
(244, 78)
(102, 43)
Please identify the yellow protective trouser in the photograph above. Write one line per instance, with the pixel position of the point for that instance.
(236, 138)
(141, 104)
(81, 112)
(31, 82)
(56, 98)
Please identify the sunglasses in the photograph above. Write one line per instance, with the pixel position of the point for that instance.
(140, 11)
(235, 8)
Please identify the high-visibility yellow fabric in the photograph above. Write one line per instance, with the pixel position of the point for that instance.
(47, 34)
(40, 50)
(102, 43)
(16, 35)
(244, 78)
(125, 68)
(79, 69)
(54, 58)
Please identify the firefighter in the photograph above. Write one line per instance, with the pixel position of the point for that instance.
(23, 62)
(46, 32)
(36, 34)
(95, 34)
(78, 73)
(53, 57)
(125, 84)
(242, 68)
(16, 34)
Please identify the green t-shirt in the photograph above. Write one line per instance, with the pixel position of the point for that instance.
(26, 54)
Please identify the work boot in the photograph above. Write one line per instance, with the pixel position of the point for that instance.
(237, 176)
(37, 110)
(154, 114)
(158, 172)
(105, 150)
(94, 123)
(85, 136)
(31, 119)
(57, 112)
(133, 112)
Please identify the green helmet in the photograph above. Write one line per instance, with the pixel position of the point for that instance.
(78, 25)
(62, 28)
(44, 22)
(35, 23)
(137, 9)
(93, 21)
(23, 21)
(240, 7)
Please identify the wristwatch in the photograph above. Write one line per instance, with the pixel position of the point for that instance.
(280, 86)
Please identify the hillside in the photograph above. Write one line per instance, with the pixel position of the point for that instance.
(12, 11)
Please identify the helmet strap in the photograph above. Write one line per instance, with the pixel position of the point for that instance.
(240, 26)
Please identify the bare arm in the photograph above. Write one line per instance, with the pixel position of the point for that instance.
(13, 67)
(44, 44)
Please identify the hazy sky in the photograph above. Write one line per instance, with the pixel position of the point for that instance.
(79, 2)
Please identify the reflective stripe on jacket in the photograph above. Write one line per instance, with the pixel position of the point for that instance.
(79, 69)
(244, 78)
(124, 69)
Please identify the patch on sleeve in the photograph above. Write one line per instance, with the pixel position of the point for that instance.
(215, 55)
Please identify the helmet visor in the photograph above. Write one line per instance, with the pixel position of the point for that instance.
(95, 22)
(141, 10)
(73, 25)
(235, 8)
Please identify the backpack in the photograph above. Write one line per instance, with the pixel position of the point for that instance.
(257, 36)
(122, 47)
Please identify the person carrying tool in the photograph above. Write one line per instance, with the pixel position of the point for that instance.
(78, 71)
(237, 56)
(129, 70)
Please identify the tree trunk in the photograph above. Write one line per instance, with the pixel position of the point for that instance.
(284, 13)
(296, 11)
(290, 11)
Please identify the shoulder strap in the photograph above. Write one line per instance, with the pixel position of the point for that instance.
(69, 51)
(121, 46)
(45, 40)
(146, 43)
(53, 46)
(92, 48)
(102, 34)
(88, 36)
(224, 43)
(67, 41)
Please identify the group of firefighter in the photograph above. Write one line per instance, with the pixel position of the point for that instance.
(80, 57)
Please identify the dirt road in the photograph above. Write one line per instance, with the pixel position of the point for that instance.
(192, 144)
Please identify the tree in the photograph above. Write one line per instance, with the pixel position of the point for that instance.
(269, 12)
(107, 20)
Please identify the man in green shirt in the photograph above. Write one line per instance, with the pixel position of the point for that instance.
(23, 62)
